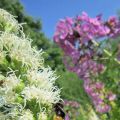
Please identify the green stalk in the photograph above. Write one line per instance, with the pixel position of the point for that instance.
(106, 51)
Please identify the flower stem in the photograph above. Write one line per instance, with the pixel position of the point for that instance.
(106, 51)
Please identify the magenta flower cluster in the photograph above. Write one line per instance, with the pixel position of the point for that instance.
(70, 103)
(75, 36)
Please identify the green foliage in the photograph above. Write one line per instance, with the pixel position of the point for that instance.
(72, 87)
(32, 28)
(111, 78)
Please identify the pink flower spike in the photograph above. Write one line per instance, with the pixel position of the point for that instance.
(111, 96)
(99, 85)
(69, 20)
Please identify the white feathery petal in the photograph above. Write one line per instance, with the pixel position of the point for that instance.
(27, 115)
(10, 82)
(41, 95)
(43, 78)
(8, 21)
(21, 50)
(12, 113)
(6, 90)
(42, 116)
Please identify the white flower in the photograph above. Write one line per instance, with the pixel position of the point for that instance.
(10, 82)
(19, 48)
(12, 113)
(27, 115)
(7, 85)
(42, 116)
(42, 86)
(42, 95)
(8, 21)
(43, 78)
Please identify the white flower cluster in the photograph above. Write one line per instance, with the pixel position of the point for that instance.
(42, 95)
(19, 48)
(8, 22)
(27, 115)
(23, 77)
(8, 83)
(42, 116)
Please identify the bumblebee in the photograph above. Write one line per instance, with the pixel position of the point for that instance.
(59, 112)
(1, 82)
(110, 25)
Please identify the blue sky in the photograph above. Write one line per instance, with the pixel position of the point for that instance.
(50, 11)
